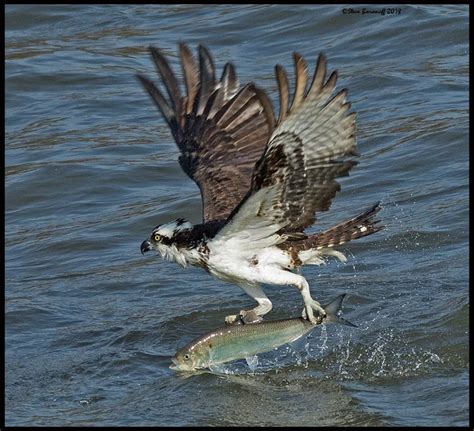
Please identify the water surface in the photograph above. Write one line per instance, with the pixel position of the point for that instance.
(91, 168)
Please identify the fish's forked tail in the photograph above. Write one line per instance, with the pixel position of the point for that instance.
(332, 309)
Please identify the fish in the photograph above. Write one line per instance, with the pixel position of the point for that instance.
(233, 342)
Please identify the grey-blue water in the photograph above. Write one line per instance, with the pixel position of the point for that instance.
(91, 168)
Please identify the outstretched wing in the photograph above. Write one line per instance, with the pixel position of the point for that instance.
(220, 128)
(296, 176)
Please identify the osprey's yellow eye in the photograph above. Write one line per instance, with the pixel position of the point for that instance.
(157, 237)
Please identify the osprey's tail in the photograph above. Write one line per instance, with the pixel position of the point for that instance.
(362, 225)
(311, 249)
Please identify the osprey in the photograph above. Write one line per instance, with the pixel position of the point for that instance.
(262, 178)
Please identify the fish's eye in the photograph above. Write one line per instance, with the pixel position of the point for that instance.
(186, 356)
(157, 237)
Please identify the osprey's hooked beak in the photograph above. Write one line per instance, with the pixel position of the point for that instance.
(146, 246)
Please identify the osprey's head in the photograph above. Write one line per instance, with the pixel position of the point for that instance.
(164, 236)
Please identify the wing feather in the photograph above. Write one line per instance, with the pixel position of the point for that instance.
(191, 76)
(301, 80)
(160, 102)
(168, 78)
(283, 91)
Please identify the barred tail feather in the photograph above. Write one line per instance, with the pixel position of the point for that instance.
(362, 225)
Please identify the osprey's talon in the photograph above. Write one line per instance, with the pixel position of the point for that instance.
(250, 317)
(317, 307)
(304, 315)
(233, 319)
(308, 313)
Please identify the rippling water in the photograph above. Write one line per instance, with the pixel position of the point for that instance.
(91, 168)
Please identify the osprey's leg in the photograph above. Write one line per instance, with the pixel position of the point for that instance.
(255, 315)
(311, 306)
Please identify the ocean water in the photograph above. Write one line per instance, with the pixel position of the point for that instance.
(91, 168)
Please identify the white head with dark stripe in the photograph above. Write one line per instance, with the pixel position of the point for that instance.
(164, 237)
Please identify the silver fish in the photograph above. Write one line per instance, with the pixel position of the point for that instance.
(241, 341)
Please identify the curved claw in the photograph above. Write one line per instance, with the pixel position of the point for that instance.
(243, 318)
(308, 314)
(250, 317)
(233, 319)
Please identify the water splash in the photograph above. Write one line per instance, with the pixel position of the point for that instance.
(252, 362)
(389, 356)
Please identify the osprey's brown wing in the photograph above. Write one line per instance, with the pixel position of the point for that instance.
(220, 128)
(308, 150)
